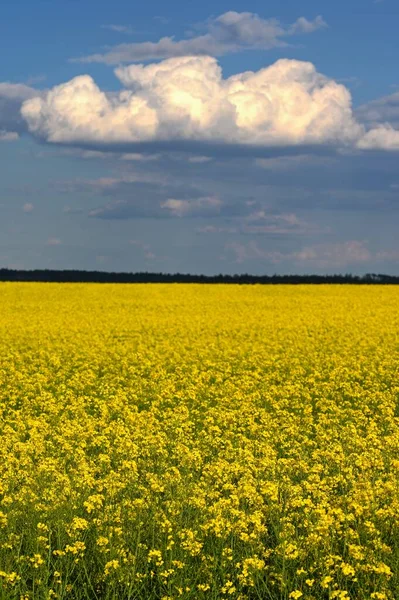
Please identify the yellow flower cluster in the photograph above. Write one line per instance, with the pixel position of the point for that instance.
(188, 441)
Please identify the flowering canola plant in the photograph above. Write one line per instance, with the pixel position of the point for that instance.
(199, 441)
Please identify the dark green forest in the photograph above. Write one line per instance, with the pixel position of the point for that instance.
(77, 276)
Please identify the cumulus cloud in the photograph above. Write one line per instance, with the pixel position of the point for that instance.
(12, 95)
(187, 99)
(229, 32)
(383, 137)
(382, 116)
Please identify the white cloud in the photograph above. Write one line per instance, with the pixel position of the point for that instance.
(287, 103)
(111, 207)
(8, 136)
(335, 255)
(137, 157)
(302, 25)
(229, 32)
(186, 99)
(382, 111)
(98, 154)
(327, 256)
(267, 223)
(263, 222)
(16, 91)
(203, 206)
(78, 111)
(89, 154)
(382, 137)
(382, 117)
(199, 159)
(119, 28)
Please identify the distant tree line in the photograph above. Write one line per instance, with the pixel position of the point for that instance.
(74, 276)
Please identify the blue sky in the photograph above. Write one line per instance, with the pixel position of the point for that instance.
(187, 162)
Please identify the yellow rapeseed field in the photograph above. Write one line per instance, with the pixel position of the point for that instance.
(199, 442)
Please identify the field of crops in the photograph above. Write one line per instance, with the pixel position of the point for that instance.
(199, 442)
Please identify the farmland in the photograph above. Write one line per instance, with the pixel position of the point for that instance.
(187, 441)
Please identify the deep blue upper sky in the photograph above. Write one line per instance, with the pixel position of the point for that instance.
(39, 37)
(88, 183)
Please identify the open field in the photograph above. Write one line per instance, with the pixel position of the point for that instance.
(184, 441)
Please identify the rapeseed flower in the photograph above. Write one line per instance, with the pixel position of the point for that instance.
(215, 441)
